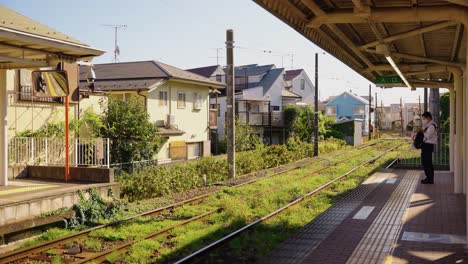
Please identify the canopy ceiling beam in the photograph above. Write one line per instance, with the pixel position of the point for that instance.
(421, 58)
(393, 15)
(409, 33)
(318, 11)
(459, 2)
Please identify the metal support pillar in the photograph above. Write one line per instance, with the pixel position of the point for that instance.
(452, 130)
(458, 166)
(465, 143)
(3, 129)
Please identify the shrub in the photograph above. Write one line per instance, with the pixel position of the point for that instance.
(132, 134)
(156, 181)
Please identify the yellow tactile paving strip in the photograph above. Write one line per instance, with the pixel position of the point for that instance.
(26, 189)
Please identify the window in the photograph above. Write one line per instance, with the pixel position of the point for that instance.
(197, 101)
(162, 98)
(255, 108)
(358, 110)
(219, 112)
(275, 107)
(302, 84)
(330, 110)
(219, 78)
(181, 102)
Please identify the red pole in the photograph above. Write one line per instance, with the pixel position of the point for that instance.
(67, 147)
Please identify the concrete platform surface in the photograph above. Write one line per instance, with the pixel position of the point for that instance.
(390, 218)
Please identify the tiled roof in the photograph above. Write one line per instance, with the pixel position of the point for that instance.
(138, 75)
(286, 93)
(205, 71)
(291, 74)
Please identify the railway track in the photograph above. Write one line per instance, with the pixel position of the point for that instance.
(222, 241)
(26, 253)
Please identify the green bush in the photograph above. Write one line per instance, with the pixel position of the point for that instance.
(156, 181)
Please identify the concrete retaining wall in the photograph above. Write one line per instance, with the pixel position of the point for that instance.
(50, 201)
(77, 174)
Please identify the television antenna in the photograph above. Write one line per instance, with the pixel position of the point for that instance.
(217, 54)
(116, 47)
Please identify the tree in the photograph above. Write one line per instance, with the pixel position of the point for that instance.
(133, 137)
(299, 123)
(445, 112)
(246, 139)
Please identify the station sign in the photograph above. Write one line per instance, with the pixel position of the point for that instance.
(388, 80)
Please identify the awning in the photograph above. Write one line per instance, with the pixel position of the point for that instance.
(422, 38)
(25, 43)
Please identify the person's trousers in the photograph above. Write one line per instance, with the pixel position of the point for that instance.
(426, 160)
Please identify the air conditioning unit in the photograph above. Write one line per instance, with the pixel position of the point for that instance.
(170, 120)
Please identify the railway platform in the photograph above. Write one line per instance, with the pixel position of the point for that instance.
(390, 218)
(24, 199)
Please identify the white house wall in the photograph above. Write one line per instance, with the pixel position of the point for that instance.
(194, 122)
(308, 92)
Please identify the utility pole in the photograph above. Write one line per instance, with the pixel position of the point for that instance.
(316, 107)
(401, 116)
(376, 115)
(116, 47)
(425, 99)
(370, 111)
(382, 115)
(231, 144)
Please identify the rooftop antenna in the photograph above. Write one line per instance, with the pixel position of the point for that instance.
(116, 47)
(217, 55)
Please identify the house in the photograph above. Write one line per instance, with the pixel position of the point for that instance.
(259, 100)
(298, 82)
(176, 100)
(348, 106)
(261, 91)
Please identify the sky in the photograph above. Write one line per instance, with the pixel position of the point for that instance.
(187, 34)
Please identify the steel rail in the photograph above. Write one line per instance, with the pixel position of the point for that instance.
(99, 257)
(25, 252)
(232, 235)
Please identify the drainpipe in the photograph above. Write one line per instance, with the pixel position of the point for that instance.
(458, 137)
(145, 98)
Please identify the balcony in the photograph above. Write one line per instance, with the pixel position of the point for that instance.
(261, 118)
(213, 118)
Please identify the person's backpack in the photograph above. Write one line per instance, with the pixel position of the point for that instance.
(419, 138)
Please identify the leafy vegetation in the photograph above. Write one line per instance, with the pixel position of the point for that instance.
(94, 210)
(300, 120)
(127, 125)
(156, 181)
(238, 207)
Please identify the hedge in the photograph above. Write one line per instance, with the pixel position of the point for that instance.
(156, 181)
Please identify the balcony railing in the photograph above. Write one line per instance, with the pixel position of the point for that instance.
(26, 94)
(261, 118)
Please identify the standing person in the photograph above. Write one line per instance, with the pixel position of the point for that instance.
(430, 139)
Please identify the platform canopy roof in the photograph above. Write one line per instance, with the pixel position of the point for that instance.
(417, 40)
(25, 43)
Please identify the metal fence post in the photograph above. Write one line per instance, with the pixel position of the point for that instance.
(47, 151)
(32, 151)
(108, 153)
